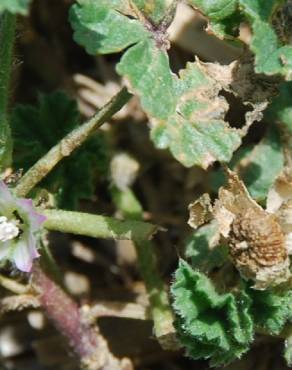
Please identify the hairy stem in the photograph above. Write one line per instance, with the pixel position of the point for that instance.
(147, 263)
(69, 143)
(97, 226)
(85, 339)
(7, 37)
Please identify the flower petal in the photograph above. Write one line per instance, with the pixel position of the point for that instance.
(35, 219)
(24, 254)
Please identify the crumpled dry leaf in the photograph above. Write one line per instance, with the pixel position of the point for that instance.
(239, 78)
(279, 202)
(259, 240)
(200, 211)
(256, 240)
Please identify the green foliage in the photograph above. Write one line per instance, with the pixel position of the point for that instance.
(210, 325)
(280, 111)
(221, 14)
(215, 10)
(271, 309)
(101, 26)
(220, 327)
(184, 119)
(201, 250)
(156, 10)
(288, 351)
(195, 130)
(271, 57)
(15, 6)
(37, 129)
(258, 166)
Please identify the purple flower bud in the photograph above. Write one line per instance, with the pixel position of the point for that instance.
(19, 229)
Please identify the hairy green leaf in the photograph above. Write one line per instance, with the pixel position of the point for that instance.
(38, 128)
(271, 57)
(271, 309)
(210, 325)
(196, 133)
(103, 26)
(202, 249)
(15, 6)
(187, 113)
(140, 65)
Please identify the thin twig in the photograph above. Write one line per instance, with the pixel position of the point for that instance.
(115, 309)
(69, 143)
(13, 286)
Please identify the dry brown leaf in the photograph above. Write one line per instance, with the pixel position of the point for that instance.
(200, 211)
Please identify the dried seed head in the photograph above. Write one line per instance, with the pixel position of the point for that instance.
(257, 243)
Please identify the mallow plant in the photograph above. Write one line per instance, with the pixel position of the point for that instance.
(233, 280)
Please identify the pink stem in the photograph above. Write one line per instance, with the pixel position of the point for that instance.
(85, 339)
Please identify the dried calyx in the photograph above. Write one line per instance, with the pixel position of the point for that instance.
(258, 239)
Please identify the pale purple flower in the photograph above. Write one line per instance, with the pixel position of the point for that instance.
(19, 229)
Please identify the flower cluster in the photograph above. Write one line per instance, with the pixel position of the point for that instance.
(19, 229)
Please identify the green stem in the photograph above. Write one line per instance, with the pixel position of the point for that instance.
(69, 143)
(97, 226)
(7, 37)
(160, 308)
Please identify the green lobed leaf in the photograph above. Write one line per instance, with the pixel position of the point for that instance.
(201, 250)
(36, 129)
(147, 69)
(15, 6)
(271, 309)
(210, 325)
(270, 56)
(187, 113)
(101, 26)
